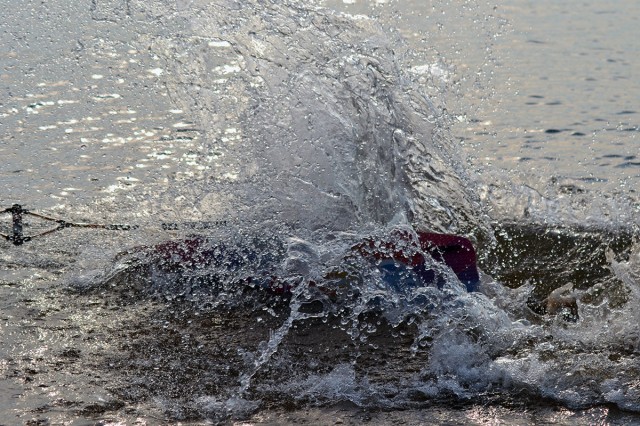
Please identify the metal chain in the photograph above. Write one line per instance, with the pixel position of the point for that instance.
(18, 238)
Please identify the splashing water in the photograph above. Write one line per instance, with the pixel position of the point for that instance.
(315, 133)
(311, 124)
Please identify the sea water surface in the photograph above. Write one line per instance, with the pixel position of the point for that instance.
(292, 130)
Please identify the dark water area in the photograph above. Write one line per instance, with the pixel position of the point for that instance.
(283, 135)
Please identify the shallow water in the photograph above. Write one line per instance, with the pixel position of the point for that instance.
(505, 124)
(571, 69)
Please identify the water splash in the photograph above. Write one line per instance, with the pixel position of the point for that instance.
(315, 133)
(316, 126)
(319, 135)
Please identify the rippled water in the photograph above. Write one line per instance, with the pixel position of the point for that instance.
(293, 131)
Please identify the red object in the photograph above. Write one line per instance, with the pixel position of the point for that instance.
(401, 246)
(454, 251)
